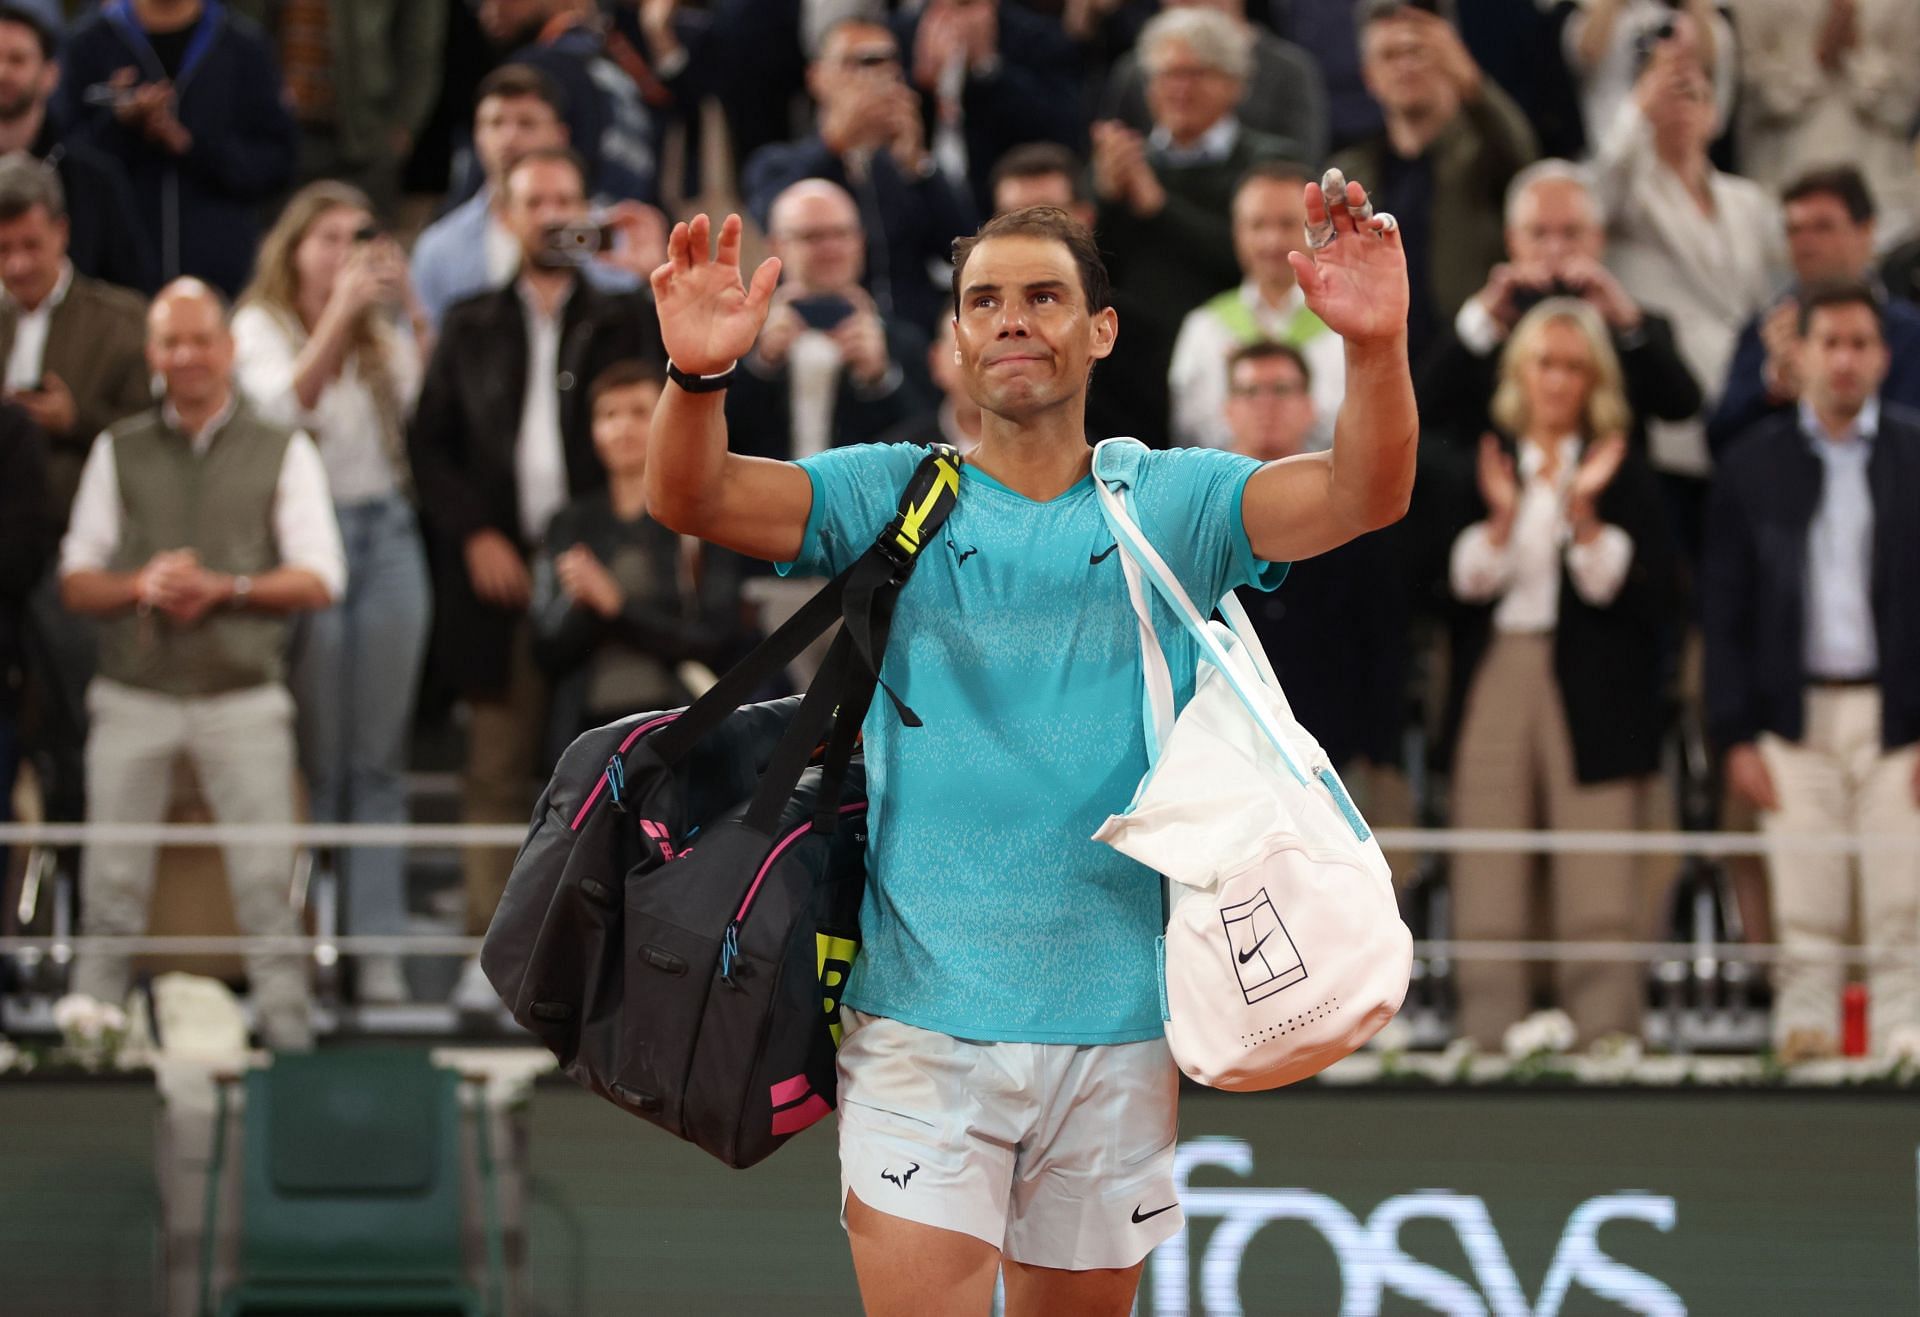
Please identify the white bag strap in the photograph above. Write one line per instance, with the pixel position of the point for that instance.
(1138, 553)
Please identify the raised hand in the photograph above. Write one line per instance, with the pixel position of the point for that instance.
(708, 316)
(1499, 486)
(1354, 274)
(1598, 466)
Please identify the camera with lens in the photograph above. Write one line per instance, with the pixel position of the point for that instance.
(575, 244)
(1525, 299)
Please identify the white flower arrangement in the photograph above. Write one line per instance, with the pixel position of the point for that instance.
(1542, 1034)
(91, 1031)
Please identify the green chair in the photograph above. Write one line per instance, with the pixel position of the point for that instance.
(351, 1190)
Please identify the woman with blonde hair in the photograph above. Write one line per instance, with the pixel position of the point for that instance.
(329, 338)
(1566, 584)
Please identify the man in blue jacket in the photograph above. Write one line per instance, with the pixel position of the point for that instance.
(185, 94)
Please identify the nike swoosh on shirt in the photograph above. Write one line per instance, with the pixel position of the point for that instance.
(1102, 556)
(1253, 950)
(1139, 1216)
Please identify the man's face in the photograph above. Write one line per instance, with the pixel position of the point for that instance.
(1554, 223)
(189, 347)
(540, 195)
(1843, 358)
(1823, 241)
(26, 78)
(622, 424)
(1269, 221)
(857, 58)
(1041, 190)
(1398, 67)
(1025, 337)
(1185, 95)
(818, 238)
(1269, 408)
(505, 128)
(32, 247)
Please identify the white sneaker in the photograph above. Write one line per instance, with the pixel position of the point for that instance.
(473, 993)
(382, 982)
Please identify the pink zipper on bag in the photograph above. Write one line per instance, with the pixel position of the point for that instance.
(601, 785)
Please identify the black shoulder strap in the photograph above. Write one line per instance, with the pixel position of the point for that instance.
(862, 595)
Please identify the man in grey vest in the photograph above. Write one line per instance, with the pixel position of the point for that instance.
(198, 529)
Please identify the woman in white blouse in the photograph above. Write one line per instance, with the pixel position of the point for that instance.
(1566, 581)
(328, 338)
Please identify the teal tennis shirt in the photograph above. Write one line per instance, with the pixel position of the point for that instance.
(990, 912)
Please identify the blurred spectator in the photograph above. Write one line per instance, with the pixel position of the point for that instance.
(1131, 396)
(1830, 227)
(199, 527)
(74, 347)
(1811, 590)
(1327, 32)
(362, 76)
(1166, 198)
(105, 239)
(868, 138)
(1824, 81)
(1691, 243)
(1901, 270)
(955, 419)
(991, 76)
(24, 540)
(624, 609)
(607, 123)
(1344, 667)
(1269, 221)
(1284, 96)
(828, 368)
(1556, 246)
(1566, 581)
(502, 440)
(317, 347)
(1453, 143)
(187, 97)
(1608, 44)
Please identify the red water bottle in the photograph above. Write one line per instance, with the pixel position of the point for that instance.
(1853, 1020)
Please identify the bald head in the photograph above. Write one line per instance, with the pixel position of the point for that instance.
(189, 345)
(815, 230)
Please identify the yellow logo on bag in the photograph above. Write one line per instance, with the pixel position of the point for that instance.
(834, 958)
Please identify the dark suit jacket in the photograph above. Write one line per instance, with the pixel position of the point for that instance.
(760, 412)
(1610, 663)
(1456, 387)
(463, 437)
(1766, 489)
(96, 344)
(1744, 403)
(26, 537)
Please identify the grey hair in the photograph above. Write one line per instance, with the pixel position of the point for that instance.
(1215, 40)
(26, 182)
(1550, 170)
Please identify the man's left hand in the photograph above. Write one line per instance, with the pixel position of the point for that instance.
(1356, 278)
(862, 340)
(51, 406)
(1599, 289)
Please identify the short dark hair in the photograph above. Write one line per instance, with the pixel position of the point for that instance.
(624, 374)
(1043, 222)
(564, 155)
(512, 82)
(1267, 349)
(1842, 182)
(1039, 160)
(1272, 171)
(1842, 292)
(21, 16)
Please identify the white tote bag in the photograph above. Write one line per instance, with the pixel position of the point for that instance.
(1284, 948)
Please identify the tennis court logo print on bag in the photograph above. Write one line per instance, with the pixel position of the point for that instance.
(1262, 950)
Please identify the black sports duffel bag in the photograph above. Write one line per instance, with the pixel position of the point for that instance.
(681, 920)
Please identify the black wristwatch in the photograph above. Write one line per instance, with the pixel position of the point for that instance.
(700, 383)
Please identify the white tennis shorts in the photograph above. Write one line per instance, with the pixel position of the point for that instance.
(1057, 1155)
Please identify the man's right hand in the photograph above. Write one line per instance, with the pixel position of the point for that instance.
(709, 318)
(497, 572)
(1780, 333)
(1748, 778)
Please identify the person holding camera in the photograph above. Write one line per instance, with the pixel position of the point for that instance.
(1608, 42)
(502, 440)
(1556, 247)
(328, 339)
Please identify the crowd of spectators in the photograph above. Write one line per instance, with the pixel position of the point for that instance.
(330, 361)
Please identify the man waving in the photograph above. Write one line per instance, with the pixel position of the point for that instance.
(1006, 1096)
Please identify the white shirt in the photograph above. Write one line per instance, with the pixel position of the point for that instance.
(28, 358)
(1841, 641)
(346, 420)
(1210, 148)
(1524, 574)
(540, 453)
(305, 532)
(1197, 377)
(813, 388)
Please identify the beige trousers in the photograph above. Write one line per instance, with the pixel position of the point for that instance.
(1838, 779)
(1514, 769)
(503, 735)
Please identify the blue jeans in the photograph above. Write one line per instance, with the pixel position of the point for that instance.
(355, 673)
